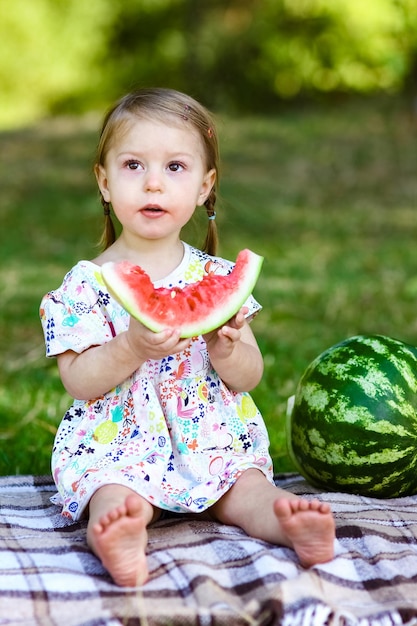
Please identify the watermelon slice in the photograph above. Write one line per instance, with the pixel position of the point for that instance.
(196, 309)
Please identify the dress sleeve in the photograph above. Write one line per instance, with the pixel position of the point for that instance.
(79, 314)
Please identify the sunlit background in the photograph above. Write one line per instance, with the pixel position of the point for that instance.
(68, 56)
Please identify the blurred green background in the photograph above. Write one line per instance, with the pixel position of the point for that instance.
(69, 56)
(316, 102)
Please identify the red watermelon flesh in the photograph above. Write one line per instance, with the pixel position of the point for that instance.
(196, 309)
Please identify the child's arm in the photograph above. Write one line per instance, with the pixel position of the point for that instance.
(235, 355)
(98, 369)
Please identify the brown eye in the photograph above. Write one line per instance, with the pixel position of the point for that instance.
(132, 165)
(175, 167)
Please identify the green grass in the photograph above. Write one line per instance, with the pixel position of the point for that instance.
(328, 196)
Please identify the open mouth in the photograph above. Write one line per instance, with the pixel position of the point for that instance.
(152, 210)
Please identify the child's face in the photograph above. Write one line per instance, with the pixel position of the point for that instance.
(154, 176)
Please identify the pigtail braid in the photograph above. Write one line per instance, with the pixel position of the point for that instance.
(212, 238)
(109, 233)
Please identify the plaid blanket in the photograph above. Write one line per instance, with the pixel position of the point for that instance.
(203, 573)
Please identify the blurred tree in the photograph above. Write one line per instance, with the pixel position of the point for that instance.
(285, 49)
(248, 54)
(407, 43)
(47, 54)
(60, 55)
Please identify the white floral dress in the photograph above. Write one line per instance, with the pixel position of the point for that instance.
(173, 432)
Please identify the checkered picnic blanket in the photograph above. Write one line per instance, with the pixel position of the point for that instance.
(203, 573)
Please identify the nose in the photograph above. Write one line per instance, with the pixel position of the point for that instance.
(153, 180)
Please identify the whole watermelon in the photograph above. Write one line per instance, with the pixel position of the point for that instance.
(353, 425)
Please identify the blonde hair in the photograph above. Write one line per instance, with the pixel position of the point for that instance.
(160, 104)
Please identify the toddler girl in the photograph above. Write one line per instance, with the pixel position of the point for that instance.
(160, 423)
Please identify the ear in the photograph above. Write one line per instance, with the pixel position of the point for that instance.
(207, 185)
(102, 182)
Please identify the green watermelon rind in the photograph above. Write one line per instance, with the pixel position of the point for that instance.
(240, 283)
(353, 425)
(288, 428)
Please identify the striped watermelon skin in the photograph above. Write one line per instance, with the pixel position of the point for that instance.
(353, 425)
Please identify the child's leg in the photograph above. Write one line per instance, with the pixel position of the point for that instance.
(116, 532)
(272, 514)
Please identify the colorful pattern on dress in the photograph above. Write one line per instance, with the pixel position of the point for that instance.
(173, 432)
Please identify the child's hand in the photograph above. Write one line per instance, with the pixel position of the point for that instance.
(149, 345)
(220, 342)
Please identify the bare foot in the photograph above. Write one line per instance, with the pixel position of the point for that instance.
(119, 539)
(309, 527)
